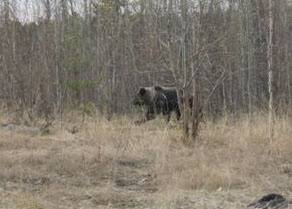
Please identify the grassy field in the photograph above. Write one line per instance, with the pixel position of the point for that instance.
(100, 164)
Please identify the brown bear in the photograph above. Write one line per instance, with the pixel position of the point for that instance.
(157, 100)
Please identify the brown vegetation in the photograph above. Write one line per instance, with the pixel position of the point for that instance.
(118, 165)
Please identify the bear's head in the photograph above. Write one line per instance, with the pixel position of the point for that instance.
(142, 97)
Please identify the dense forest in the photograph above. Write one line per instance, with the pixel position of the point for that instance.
(98, 52)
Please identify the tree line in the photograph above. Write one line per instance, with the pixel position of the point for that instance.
(100, 51)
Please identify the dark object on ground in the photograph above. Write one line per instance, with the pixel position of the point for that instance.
(270, 201)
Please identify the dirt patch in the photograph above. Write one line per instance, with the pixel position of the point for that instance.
(21, 129)
(118, 200)
(135, 175)
(134, 163)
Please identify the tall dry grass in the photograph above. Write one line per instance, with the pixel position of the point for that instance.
(90, 158)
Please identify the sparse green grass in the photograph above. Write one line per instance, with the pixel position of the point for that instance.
(115, 164)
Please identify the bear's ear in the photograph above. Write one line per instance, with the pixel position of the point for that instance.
(142, 91)
(158, 88)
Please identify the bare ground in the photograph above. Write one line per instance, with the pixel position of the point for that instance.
(101, 164)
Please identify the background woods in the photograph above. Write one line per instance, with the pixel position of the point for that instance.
(58, 53)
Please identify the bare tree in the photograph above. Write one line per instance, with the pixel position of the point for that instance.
(270, 70)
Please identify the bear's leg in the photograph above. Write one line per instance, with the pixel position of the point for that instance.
(149, 115)
(168, 117)
(178, 114)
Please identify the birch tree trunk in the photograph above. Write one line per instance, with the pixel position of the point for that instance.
(270, 70)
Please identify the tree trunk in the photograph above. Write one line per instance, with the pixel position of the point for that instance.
(196, 109)
(270, 70)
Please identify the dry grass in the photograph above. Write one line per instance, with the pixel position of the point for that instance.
(101, 164)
